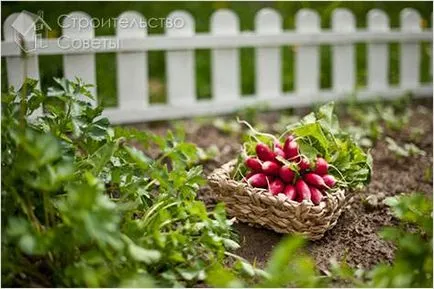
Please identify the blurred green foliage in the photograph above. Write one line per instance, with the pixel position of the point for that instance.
(288, 265)
(376, 120)
(413, 264)
(51, 66)
(83, 208)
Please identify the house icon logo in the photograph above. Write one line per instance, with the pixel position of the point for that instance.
(31, 28)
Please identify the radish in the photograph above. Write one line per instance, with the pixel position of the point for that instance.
(286, 174)
(264, 152)
(291, 149)
(258, 180)
(314, 180)
(276, 186)
(289, 191)
(254, 164)
(289, 138)
(303, 191)
(270, 168)
(315, 195)
(329, 180)
(304, 164)
(279, 152)
(270, 179)
(278, 145)
(321, 167)
(249, 174)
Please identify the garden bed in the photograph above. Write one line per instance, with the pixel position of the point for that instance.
(355, 235)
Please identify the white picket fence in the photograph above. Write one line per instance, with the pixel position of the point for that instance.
(224, 40)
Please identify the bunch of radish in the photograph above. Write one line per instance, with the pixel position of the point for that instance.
(283, 170)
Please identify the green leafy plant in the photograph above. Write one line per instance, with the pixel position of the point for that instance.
(83, 207)
(289, 265)
(369, 121)
(404, 151)
(227, 126)
(320, 133)
(413, 264)
(427, 174)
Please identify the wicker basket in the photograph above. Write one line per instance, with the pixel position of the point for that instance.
(258, 207)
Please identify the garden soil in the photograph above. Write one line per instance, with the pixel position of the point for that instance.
(355, 237)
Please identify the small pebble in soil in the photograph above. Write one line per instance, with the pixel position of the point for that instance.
(373, 202)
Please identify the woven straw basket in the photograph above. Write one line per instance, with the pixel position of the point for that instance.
(258, 207)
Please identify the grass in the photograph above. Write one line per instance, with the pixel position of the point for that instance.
(51, 66)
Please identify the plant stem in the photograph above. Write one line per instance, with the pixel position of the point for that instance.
(257, 132)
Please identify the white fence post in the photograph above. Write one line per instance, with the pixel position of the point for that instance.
(180, 65)
(18, 67)
(307, 64)
(225, 62)
(132, 67)
(378, 53)
(268, 76)
(410, 51)
(78, 26)
(343, 60)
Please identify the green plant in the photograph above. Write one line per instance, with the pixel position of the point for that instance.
(289, 265)
(82, 207)
(406, 150)
(283, 121)
(368, 120)
(427, 174)
(413, 264)
(229, 127)
(416, 134)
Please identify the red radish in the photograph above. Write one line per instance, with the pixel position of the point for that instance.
(258, 180)
(303, 191)
(276, 186)
(291, 149)
(254, 164)
(329, 180)
(289, 191)
(321, 167)
(315, 195)
(270, 168)
(264, 152)
(249, 174)
(279, 152)
(314, 180)
(304, 164)
(286, 174)
(278, 145)
(289, 138)
(270, 179)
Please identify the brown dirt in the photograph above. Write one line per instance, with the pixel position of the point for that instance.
(355, 236)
